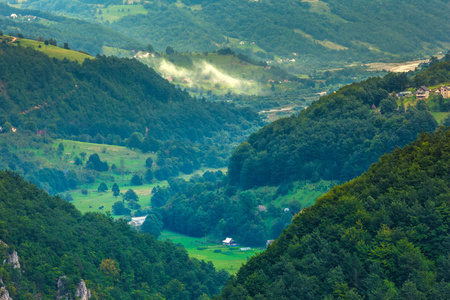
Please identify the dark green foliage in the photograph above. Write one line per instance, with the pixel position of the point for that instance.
(136, 180)
(53, 239)
(160, 197)
(153, 224)
(102, 187)
(119, 208)
(337, 137)
(130, 195)
(115, 189)
(383, 235)
(148, 175)
(95, 163)
(149, 162)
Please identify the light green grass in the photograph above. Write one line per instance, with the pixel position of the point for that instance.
(228, 260)
(51, 51)
(128, 162)
(114, 13)
(440, 116)
(112, 51)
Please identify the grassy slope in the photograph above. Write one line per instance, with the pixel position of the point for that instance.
(411, 101)
(51, 51)
(133, 162)
(227, 259)
(114, 12)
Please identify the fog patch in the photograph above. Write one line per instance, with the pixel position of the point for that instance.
(202, 75)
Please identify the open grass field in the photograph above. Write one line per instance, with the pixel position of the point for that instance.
(114, 13)
(228, 259)
(51, 51)
(440, 116)
(128, 162)
(304, 192)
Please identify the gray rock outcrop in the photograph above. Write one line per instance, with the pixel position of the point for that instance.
(4, 293)
(83, 293)
(13, 259)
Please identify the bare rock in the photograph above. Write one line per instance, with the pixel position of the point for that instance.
(4, 293)
(13, 259)
(83, 293)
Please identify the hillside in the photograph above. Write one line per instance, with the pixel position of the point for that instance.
(115, 101)
(320, 33)
(54, 243)
(79, 34)
(49, 50)
(383, 235)
(337, 137)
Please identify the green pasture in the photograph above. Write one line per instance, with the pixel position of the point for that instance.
(229, 259)
(114, 13)
(440, 116)
(128, 162)
(51, 51)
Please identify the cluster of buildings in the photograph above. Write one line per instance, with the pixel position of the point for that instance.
(423, 92)
(27, 17)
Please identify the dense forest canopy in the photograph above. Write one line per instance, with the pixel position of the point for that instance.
(110, 97)
(383, 235)
(337, 137)
(55, 242)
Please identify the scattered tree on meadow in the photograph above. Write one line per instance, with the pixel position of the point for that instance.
(102, 187)
(115, 189)
(136, 180)
(130, 195)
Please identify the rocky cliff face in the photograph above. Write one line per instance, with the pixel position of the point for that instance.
(13, 259)
(4, 293)
(82, 291)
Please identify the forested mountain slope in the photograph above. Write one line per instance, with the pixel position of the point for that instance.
(55, 242)
(315, 30)
(80, 35)
(107, 96)
(337, 137)
(383, 235)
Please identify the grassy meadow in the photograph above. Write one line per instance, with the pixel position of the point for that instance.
(229, 259)
(51, 51)
(127, 161)
(114, 13)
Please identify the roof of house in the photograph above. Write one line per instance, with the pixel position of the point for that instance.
(423, 88)
(227, 240)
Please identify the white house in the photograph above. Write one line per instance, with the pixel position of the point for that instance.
(229, 242)
(137, 221)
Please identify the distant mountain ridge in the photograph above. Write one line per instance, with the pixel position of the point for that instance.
(320, 31)
(79, 34)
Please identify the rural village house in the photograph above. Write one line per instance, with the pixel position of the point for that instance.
(422, 93)
(444, 91)
(229, 242)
